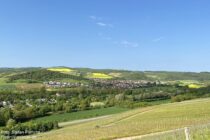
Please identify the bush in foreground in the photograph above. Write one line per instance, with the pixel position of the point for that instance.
(28, 128)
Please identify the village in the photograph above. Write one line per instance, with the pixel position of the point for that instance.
(101, 83)
(124, 84)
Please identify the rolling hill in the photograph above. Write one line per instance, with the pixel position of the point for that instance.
(139, 122)
(110, 74)
(43, 75)
(20, 77)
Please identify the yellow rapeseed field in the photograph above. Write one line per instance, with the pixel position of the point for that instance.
(195, 86)
(60, 69)
(100, 76)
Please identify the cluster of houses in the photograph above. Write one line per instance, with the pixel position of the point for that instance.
(125, 84)
(119, 84)
(27, 102)
(49, 101)
(55, 84)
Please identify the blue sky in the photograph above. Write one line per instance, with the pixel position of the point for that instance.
(169, 35)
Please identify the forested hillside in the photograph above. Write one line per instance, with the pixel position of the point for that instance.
(42, 75)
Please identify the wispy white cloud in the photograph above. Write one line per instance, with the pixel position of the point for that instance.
(158, 39)
(95, 18)
(102, 24)
(92, 17)
(99, 21)
(129, 44)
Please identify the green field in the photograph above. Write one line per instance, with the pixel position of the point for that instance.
(4, 86)
(3, 80)
(82, 114)
(138, 122)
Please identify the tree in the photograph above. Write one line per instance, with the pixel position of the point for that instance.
(120, 97)
(5, 115)
(83, 105)
(19, 115)
(44, 110)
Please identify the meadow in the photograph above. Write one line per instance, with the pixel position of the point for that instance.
(7, 87)
(82, 114)
(138, 122)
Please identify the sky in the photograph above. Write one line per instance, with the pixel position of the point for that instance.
(171, 35)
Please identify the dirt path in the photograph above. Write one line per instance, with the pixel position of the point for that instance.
(126, 118)
(63, 124)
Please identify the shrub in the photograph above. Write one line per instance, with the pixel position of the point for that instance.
(11, 123)
(28, 128)
(97, 104)
(180, 98)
